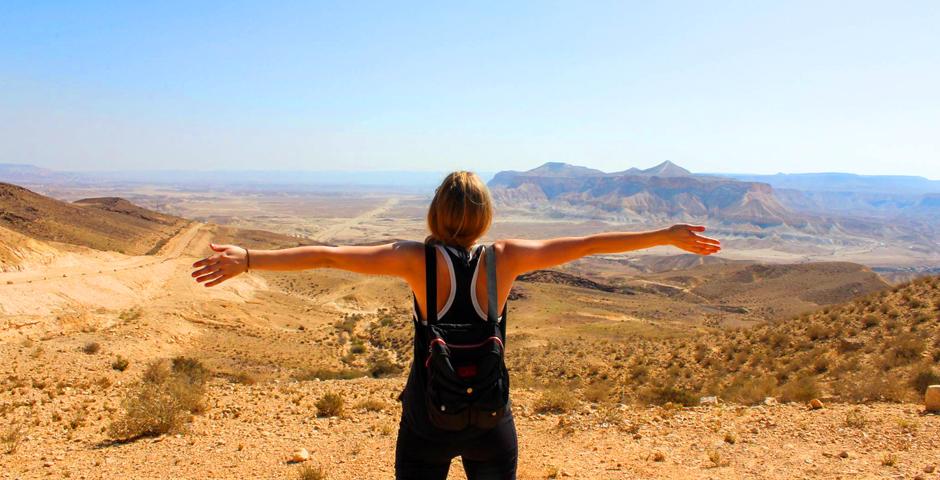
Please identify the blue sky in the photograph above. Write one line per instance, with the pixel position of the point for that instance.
(745, 86)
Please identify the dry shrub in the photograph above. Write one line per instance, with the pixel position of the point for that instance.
(555, 400)
(381, 365)
(800, 389)
(12, 438)
(330, 405)
(371, 405)
(923, 377)
(309, 472)
(908, 347)
(750, 390)
(130, 314)
(244, 377)
(348, 323)
(669, 394)
(870, 321)
(327, 374)
(598, 392)
(157, 372)
(876, 387)
(120, 363)
(162, 401)
(818, 331)
(855, 419)
(190, 369)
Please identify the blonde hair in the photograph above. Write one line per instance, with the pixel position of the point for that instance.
(461, 211)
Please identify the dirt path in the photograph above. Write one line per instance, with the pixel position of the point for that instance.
(331, 232)
(110, 262)
(110, 281)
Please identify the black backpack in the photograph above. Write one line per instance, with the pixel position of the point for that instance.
(467, 381)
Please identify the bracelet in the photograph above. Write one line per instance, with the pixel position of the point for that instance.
(247, 260)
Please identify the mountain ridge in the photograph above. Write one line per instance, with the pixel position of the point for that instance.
(665, 190)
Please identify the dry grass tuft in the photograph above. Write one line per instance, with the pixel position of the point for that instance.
(163, 400)
(371, 405)
(12, 438)
(556, 400)
(120, 364)
(309, 472)
(330, 405)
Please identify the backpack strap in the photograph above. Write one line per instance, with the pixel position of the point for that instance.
(430, 278)
(491, 300)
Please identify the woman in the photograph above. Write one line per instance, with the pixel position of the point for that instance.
(460, 214)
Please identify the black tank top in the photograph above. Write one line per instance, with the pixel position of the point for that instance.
(461, 306)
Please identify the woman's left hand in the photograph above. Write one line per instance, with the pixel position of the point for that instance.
(687, 238)
(228, 261)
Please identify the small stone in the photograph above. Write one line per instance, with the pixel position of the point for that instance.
(930, 468)
(659, 457)
(919, 477)
(300, 455)
(816, 404)
(708, 401)
(843, 454)
(932, 398)
(770, 401)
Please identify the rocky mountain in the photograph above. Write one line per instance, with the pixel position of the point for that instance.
(99, 223)
(845, 182)
(666, 191)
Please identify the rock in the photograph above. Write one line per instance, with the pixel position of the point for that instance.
(816, 404)
(849, 345)
(770, 401)
(300, 455)
(708, 401)
(930, 468)
(932, 398)
(659, 457)
(843, 454)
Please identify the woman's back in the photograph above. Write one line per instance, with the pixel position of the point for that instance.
(458, 269)
(459, 215)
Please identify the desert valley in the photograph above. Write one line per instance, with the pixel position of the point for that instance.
(803, 350)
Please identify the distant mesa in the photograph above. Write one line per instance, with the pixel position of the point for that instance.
(665, 191)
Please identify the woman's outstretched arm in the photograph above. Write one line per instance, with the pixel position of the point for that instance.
(527, 255)
(230, 260)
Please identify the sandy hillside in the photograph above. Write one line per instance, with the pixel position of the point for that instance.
(120, 366)
(255, 338)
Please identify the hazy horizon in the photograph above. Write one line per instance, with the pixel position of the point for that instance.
(756, 88)
(484, 174)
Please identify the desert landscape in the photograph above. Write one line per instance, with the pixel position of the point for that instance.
(762, 363)
(139, 138)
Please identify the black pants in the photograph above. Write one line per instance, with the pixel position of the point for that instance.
(491, 456)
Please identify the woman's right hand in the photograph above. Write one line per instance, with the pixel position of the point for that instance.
(687, 238)
(228, 261)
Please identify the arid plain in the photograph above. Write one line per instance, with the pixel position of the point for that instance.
(611, 356)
